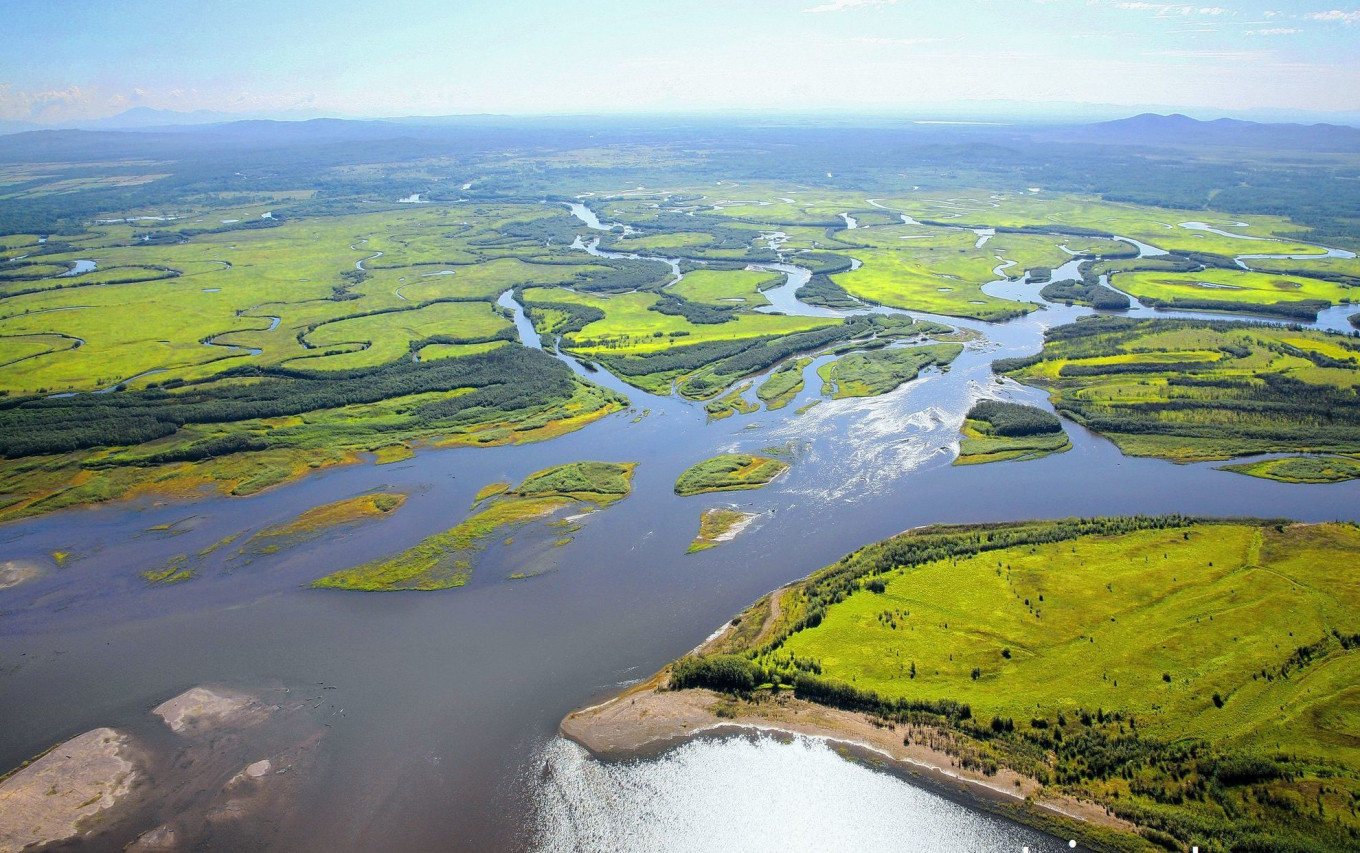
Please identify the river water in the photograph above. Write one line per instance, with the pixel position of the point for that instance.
(441, 730)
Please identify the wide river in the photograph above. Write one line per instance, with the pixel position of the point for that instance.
(440, 732)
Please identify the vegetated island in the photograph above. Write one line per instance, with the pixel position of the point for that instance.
(729, 472)
(1168, 681)
(868, 374)
(1301, 469)
(997, 431)
(445, 560)
(1192, 390)
(718, 525)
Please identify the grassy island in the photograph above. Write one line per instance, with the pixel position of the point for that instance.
(729, 472)
(1196, 389)
(1194, 679)
(868, 374)
(445, 560)
(997, 431)
(1302, 469)
(718, 525)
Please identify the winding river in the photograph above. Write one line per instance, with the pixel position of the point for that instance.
(441, 729)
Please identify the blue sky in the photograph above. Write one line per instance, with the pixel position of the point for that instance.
(73, 59)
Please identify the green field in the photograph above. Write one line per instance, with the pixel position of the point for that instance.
(1240, 290)
(729, 472)
(1192, 390)
(446, 560)
(1128, 661)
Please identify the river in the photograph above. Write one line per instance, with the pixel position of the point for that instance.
(441, 730)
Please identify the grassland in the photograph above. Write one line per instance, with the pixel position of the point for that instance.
(1193, 390)
(1224, 289)
(322, 521)
(994, 431)
(446, 560)
(1196, 678)
(783, 385)
(1302, 469)
(718, 525)
(867, 374)
(729, 472)
(727, 287)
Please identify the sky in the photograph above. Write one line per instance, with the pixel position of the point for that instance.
(66, 60)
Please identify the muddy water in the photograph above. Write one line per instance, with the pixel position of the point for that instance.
(444, 713)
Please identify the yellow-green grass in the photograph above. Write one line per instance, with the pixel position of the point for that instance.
(479, 280)
(381, 338)
(442, 561)
(1097, 622)
(977, 446)
(663, 242)
(1302, 469)
(630, 327)
(323, 520)
(433, 352)
(729, 472)
(925, 269)
(867, 374)
(783, 385)
(1159, 226)
(732, 403)
(490, 491)
(718, 525)
(1256, 289)
(446, 559)
(175, 570)
(1338, 266)
(597, 482)
(319, 439)
(1197, 390)
(726, 287)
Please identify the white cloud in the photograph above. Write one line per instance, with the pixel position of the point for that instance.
(1275, 31)
(842, 5)
(1337, 16)
(897, 41)
(1170, 9)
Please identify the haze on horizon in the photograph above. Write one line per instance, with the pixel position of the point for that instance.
(434, 57)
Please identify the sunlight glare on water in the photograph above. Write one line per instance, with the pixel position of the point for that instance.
(752, 793)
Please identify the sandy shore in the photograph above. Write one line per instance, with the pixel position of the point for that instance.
(648, 718)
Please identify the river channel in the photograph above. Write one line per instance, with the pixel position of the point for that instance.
(440, 732)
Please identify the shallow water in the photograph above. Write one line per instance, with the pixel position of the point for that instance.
(446, 705)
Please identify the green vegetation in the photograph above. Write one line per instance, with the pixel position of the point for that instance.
(490, 491)
(867, 374)
(597, 482)
(1094, 294)
(729, 472)
(1191, 390)
(718, 525)
(1235, 290)
(1302, 469)
(997, 431)
(175, 570)
(732, 403)
(322, 521)
(783, 385)
(445, 560)
(1194, 677)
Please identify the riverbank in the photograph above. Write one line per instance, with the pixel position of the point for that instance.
(648, 718)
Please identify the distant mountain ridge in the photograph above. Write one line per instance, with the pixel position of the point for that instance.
(1177, 129)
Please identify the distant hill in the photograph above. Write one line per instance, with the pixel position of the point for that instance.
(1181, 130)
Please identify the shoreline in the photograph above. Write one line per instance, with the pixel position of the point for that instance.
(647, 719)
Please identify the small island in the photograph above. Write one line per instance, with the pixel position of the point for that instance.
(997, 431)
(445, 560)
(1301, 469)
(718, 525)
(729, 472)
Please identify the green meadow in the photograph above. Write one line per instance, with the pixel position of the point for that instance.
(729, 472)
